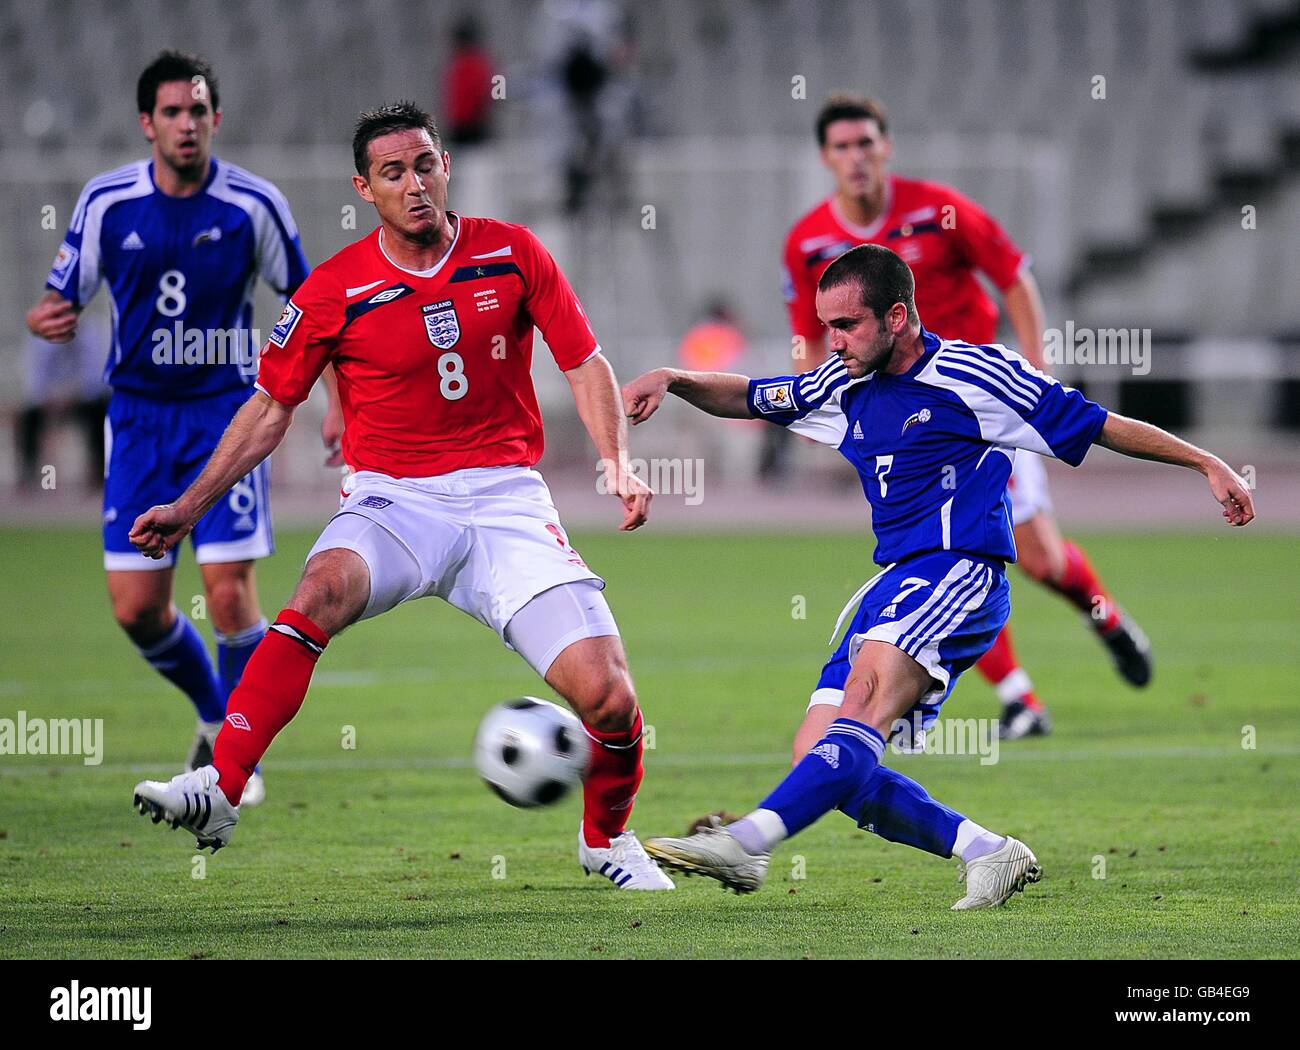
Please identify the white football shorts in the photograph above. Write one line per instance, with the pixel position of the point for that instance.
(485, 539)
(1028, 487)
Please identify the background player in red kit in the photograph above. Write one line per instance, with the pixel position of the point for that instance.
(428, 322)
(946, 238)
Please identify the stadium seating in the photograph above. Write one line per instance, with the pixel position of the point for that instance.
(1005, 109)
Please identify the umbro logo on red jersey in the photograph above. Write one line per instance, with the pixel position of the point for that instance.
(363, 306)
(238, 721)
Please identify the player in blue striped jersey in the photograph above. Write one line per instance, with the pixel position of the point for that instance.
(181, 240)
(932, 426)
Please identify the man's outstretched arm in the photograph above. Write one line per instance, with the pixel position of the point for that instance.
(1141, 440)
(717, 393)
(252, 435)
(595, 392)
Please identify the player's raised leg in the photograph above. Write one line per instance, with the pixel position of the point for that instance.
(239, 625)
(1061, 565)
(843, 771)
(884, 684)
(909, 641)
(568, 634)
(332, 593)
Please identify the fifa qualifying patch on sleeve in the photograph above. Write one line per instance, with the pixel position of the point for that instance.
(286, 324)
(770, 398)
(64, 260)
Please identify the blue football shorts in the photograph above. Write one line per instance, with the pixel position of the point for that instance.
(944, 609)
(153, 450)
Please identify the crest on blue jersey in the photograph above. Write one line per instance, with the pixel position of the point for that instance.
(207, 236)
(442, 324)
(774, 397)
(286, 324)
(916, 417)
(64, 261)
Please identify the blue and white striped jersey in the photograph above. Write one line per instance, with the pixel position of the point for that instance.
(934, 445)
(181, 272)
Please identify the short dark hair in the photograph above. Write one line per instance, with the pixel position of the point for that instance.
(850, 107)
(173, 65)
(881, 276)
(396, 116)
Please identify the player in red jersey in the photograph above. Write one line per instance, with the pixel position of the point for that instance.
(428, 322)
(947, 239)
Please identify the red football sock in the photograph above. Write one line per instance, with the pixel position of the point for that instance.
(612, 780)
(1009, 680)
(1080, 585)
(266, 699)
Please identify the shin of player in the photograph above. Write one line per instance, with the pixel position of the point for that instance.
(843, 771)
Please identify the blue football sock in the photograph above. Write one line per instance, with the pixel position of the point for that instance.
(831, 773)
(233, 651)
(182, 658)
(899, 809)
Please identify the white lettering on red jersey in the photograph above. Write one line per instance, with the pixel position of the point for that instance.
(943, 236)
(434, 367)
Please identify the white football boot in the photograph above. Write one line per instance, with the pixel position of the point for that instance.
(993, 878)
(205, 739)
(624, 863)
(714, 852)
(193, 801)
(254, 791)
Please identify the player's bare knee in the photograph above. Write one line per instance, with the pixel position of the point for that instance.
(144, 622)
(861, 687)
(323, 601)
(1036, 565)
(333, 590)
(231, 602)
(608, 702)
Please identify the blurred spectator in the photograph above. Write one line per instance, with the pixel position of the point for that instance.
(467, 86)
(588, 53)
(716, 344)
(64, 382)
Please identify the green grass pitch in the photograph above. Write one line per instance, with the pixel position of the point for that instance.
(394, 848)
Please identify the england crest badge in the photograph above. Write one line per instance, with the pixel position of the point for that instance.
(442, 324)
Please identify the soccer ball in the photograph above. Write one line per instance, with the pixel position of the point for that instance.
(530, 751)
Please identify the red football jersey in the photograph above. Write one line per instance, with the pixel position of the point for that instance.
(433, 366)
(943, 236)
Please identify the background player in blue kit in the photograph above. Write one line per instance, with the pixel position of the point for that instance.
(932, 426)
(181, 239)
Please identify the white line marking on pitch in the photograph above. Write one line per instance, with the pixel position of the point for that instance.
(780, 759)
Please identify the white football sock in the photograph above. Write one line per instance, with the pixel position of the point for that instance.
(1013, 687)
(758, 832)
(974, 842)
